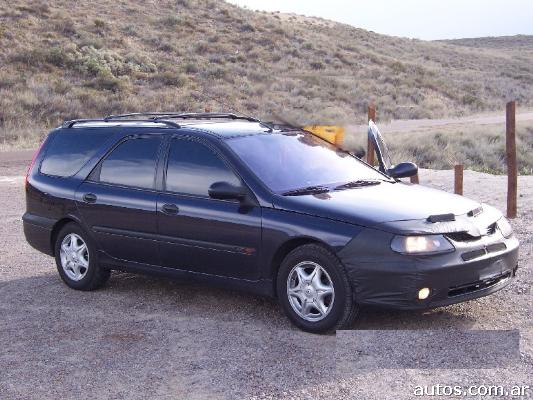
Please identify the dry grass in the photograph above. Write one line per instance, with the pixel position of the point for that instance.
(65, 59)
(477, 147)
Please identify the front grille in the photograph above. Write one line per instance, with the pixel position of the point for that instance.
(473, 254)
(475, 286)
(491, 248)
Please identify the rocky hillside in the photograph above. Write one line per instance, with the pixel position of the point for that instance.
(62, 59)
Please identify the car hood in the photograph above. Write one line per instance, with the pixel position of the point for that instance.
(396, 207)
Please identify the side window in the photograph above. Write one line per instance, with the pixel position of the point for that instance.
(193, 167)
(70, 149)
(132, 163)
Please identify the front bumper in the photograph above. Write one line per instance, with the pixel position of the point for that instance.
(383, 278)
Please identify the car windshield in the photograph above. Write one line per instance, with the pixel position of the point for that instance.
(290, 161)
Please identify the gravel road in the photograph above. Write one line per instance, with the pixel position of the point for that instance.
(148, 338)
(411, 125)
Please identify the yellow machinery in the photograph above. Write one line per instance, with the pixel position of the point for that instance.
(331, 133)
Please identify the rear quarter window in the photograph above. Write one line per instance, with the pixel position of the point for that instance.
(70, 149)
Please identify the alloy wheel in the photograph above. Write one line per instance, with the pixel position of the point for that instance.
(74, 256)
(310, 291)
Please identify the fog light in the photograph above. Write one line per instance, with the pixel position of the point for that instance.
(423, 293)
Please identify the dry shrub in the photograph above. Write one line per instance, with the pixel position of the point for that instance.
(68, 59)
(170, 78)
(480, 148)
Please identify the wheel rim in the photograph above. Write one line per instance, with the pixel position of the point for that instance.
(74, 256)
(310, 291)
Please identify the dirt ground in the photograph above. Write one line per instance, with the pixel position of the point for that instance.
(414, 125)
(147, 338)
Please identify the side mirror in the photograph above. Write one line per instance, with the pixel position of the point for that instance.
(403, 170)
(227, 191)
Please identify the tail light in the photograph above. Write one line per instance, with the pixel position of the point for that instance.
(32, 163)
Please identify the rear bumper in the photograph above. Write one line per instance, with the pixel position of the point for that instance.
(393, 280)
(38, 232)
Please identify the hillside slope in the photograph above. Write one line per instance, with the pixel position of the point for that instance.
(513, 43)
(62, 59)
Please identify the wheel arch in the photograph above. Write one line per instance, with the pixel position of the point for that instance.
(285, 248)
(57, 228)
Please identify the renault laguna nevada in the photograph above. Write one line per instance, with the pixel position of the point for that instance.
(274, 210)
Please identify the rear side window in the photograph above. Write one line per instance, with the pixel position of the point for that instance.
(193, 167)
(70, 149)
(132, 163)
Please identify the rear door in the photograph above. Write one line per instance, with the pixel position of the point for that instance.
(198, 233)
(118, 200)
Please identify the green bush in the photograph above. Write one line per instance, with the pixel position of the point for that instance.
(191, 68)
(171, 78)
(170, 21)
(201, 47)
(246, 27)
(316, 65)
(106, 81)
(217, 73)
(99, 23)
(57, 56)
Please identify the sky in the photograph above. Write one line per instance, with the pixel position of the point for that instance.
(421, 19)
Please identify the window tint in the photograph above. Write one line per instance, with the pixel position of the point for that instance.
(193, 167)
(132, 163)
(289, 161)
(70, 149)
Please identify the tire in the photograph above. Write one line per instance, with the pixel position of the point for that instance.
(81, 271)
(310, 286)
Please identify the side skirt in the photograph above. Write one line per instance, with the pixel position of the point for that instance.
(263, 287)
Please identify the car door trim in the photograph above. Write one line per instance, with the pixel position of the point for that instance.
(247, 251)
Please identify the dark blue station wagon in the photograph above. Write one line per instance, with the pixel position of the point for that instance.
(269, 209)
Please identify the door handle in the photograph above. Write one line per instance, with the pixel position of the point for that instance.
(170, 209)
(89, 198)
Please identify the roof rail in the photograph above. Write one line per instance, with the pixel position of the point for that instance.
(212, 115)
(138, 114)
(163, 118)
(71, 123)
(163, 115)
(206, 115)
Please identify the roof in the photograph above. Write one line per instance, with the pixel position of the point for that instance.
(228, 128)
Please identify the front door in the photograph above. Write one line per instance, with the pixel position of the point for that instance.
(118, 201)
(198, 233)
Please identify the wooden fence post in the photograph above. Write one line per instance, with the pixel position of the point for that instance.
(370, 158)
(414, 179)
(458, 182)
(512, 167)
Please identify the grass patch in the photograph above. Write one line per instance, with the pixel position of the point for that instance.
(480, 148)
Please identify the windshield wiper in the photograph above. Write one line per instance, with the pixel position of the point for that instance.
(358, 183)
(306, 190)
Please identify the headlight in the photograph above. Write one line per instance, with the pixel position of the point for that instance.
(505, 227)
(430, 244)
